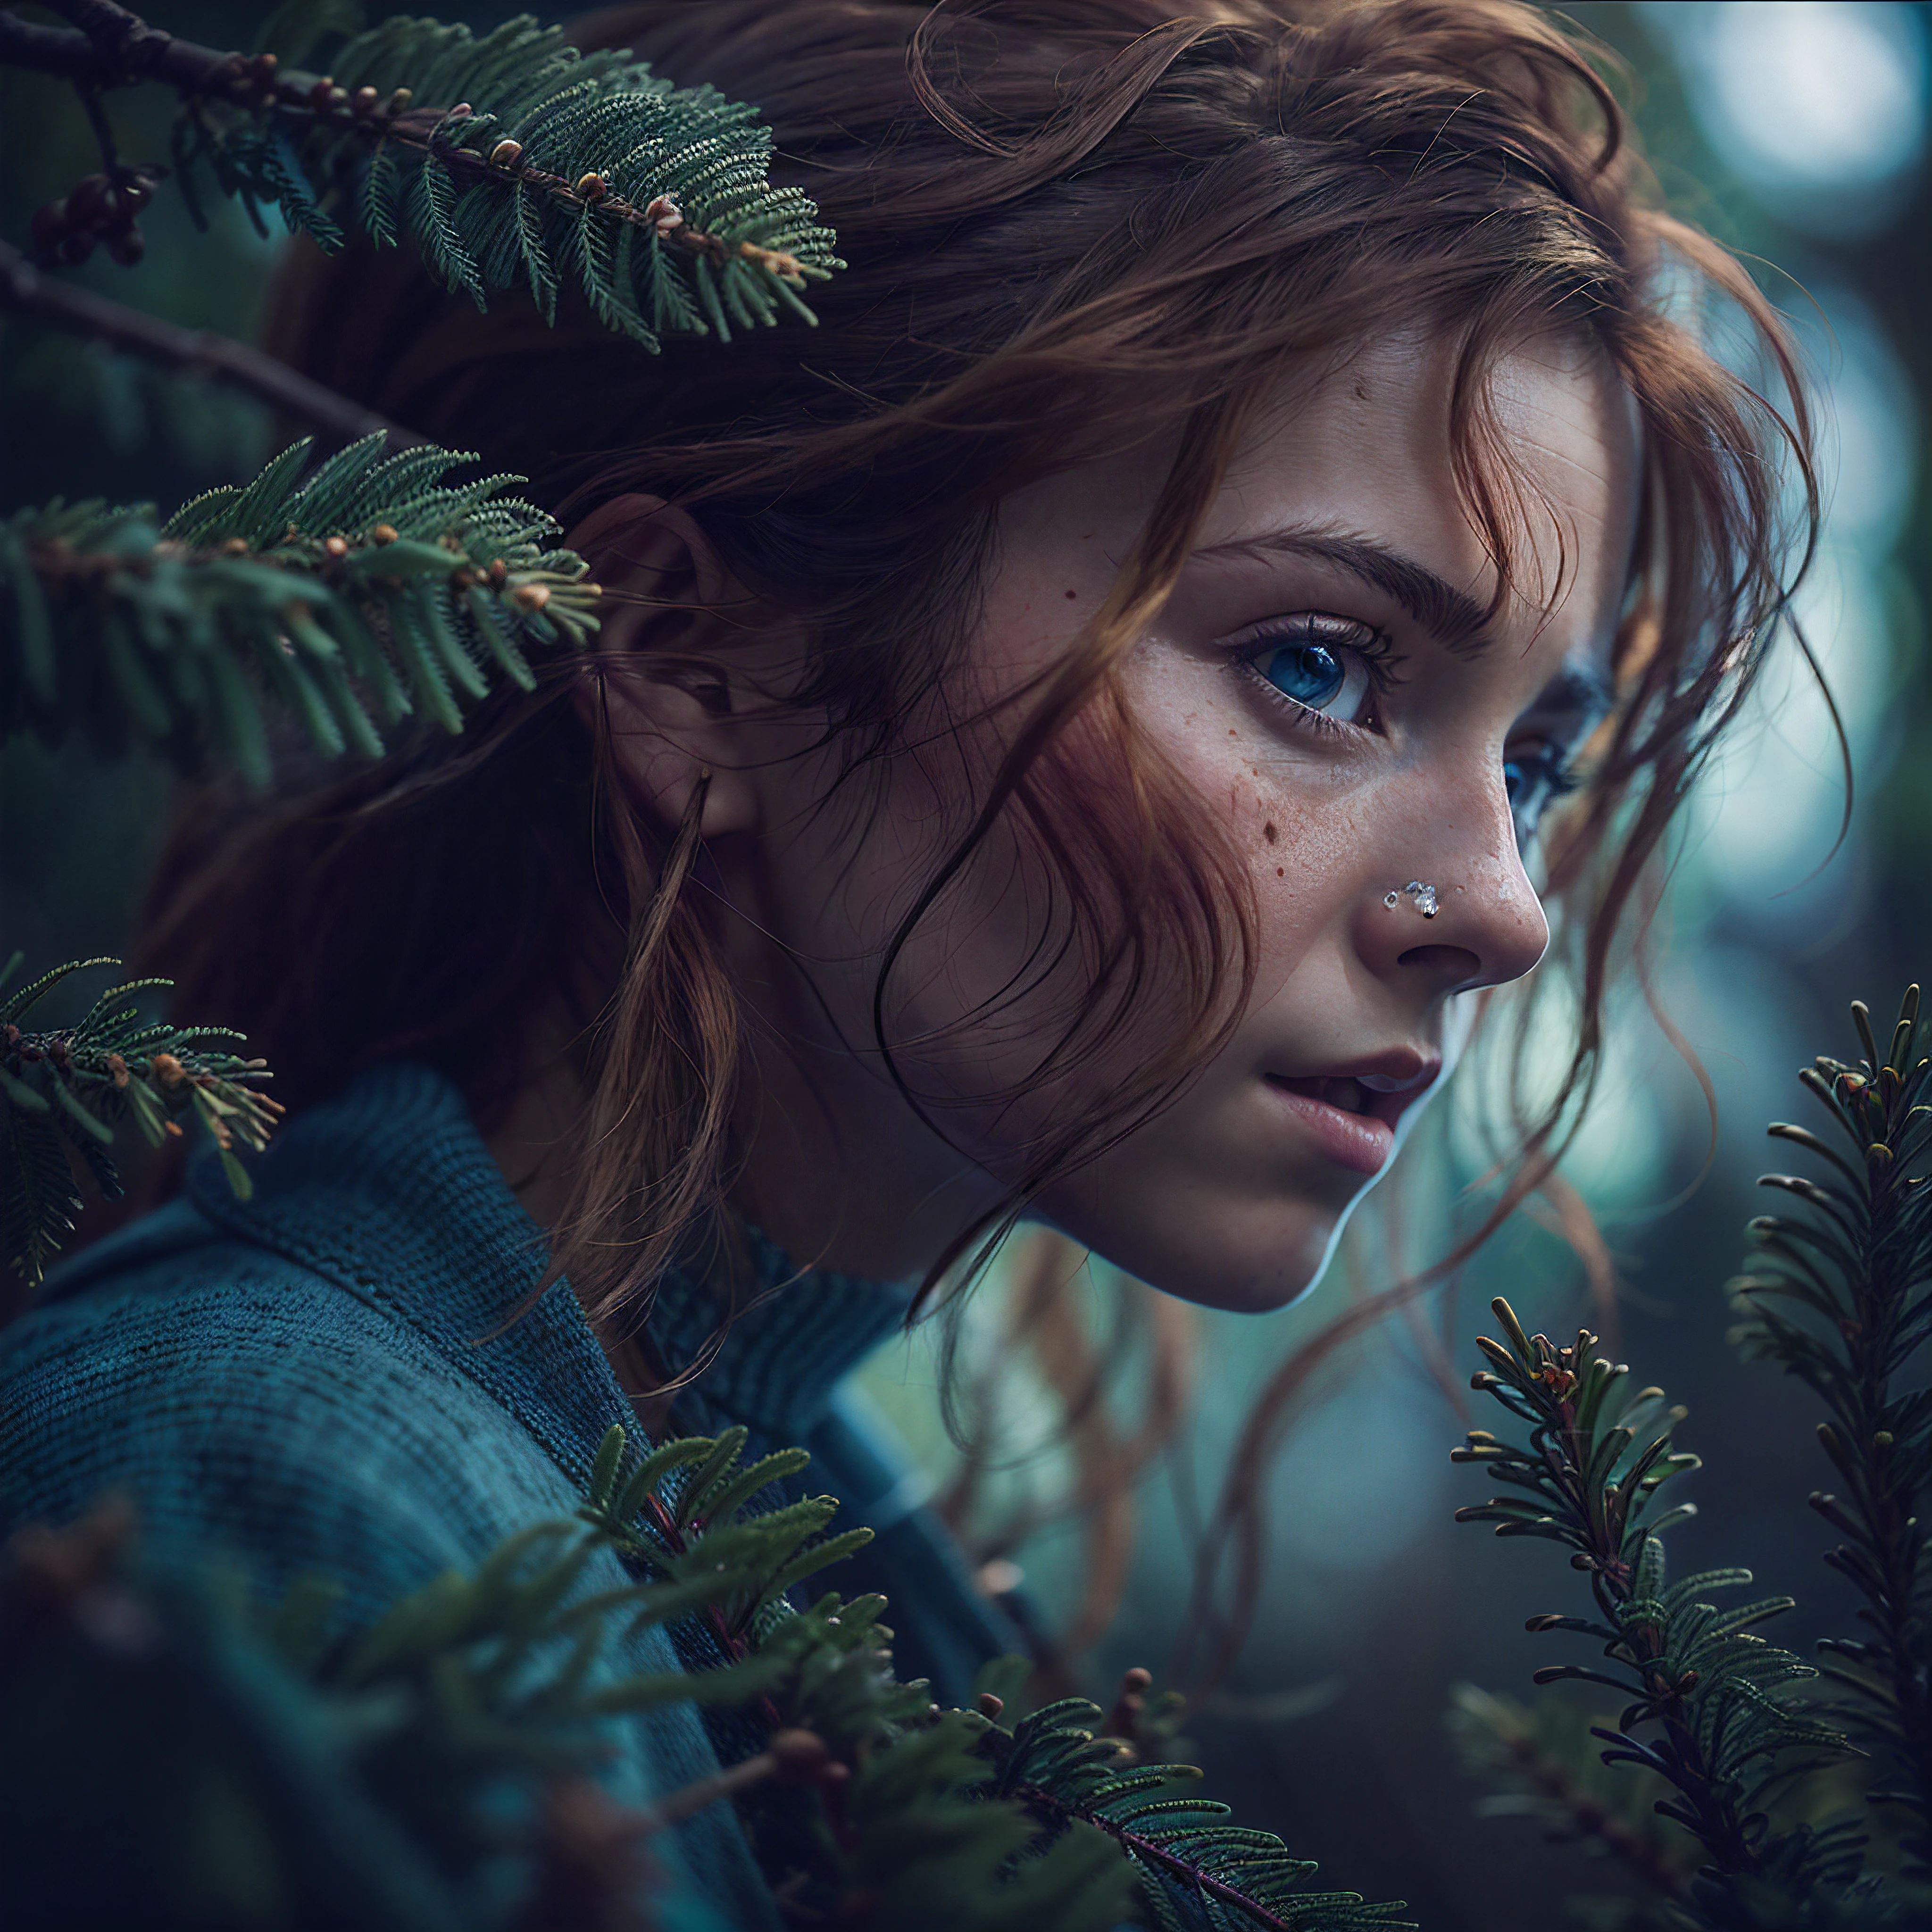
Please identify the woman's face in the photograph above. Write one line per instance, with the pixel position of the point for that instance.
(1323, 679)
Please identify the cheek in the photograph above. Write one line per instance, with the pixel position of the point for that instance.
(1298, 833)
(984, 981)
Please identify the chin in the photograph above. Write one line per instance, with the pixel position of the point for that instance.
(1248, 1258)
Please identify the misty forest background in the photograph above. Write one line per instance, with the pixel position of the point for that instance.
(1796, 133)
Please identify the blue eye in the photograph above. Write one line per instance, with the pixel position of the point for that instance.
(1332, 679)
(1533, 783)
(1306, 673)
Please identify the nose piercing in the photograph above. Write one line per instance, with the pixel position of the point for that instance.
(1423, 896)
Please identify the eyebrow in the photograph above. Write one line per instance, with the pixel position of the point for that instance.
(1454, 618)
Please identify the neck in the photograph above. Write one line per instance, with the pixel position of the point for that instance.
(838, 1169)
(841, 1171)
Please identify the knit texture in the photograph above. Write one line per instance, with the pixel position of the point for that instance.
(320, 1380)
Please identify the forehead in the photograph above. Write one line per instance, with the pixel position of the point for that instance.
(1365, 443)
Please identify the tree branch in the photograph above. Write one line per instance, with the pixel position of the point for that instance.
(111, 47)
(335, 419)
(104, 23)
(53, 50)
(117, 49)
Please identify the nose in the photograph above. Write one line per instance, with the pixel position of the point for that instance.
(1487, 925)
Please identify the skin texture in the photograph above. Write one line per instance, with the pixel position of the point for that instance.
(1234, 1194)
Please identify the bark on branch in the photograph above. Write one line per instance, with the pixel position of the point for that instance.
(111, 47)
(335, 419)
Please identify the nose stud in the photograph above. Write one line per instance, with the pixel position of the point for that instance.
(1423, 896)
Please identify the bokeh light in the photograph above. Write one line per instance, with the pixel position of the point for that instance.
(1818, 107)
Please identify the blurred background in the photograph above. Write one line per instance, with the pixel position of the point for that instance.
(1797, 134)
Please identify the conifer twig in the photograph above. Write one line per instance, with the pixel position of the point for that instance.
(66, 1088)
(335, 419)
(354, 595)
(1728, 1735)
(1842, 1299)
(1141, 1847)
(1498, 1736)
(110, 46)
(1197, 1871)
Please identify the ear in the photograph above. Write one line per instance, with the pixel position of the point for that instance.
(667, 686)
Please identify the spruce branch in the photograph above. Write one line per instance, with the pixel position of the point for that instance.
(907, 1783)
(193, 352)
(442, 1753)
(66, 1088)
(696, 1542)
(1711, 1707)
(371, 591)
(1840, 1296)
(514, 159)
(1195, 1871)
(435, 1773)
(1550, 1769)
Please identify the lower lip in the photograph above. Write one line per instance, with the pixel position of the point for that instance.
(1357, 1141)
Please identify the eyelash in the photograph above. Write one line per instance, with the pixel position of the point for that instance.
(1375, 648)
(1558, 773)
(1553, 766)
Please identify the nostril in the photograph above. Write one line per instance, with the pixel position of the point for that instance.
(1455, 964)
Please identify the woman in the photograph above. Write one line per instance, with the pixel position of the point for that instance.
(1069, 740)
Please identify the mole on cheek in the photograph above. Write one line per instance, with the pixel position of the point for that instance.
(1269, 833)
(1073, 593)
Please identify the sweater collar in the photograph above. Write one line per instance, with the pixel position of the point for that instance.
(799, 1332)
(389, 1190)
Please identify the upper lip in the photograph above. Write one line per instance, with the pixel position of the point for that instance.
(1389, 1082)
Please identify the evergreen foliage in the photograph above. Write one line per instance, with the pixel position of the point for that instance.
(64, 1091)
(1840, 1296)
(1542, 1763)
(440, 1757)
(372, 591)
(434, 1770)
(1193, 1869)
(511, 160)
(1712, 1708)
(539, 164)
(375, 590)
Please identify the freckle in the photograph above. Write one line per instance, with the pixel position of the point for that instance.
(1232, 732)
(1281, 872)
(1073, 593)
(1269, 832)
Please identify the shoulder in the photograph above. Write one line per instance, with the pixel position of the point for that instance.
(287, 1422)
(250, 1405)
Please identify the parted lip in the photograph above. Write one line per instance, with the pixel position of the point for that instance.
(1382, 1085)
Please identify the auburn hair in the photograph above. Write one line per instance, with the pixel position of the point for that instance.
(1069, 227)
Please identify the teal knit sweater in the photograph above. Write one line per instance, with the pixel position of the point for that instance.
(300, 1382)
